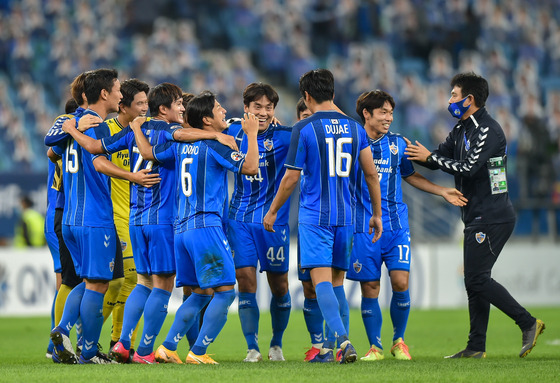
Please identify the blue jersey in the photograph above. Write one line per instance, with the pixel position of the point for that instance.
(326, 147)
(253, 195)
(87, 192)
(52, 197)
(201, 178)
(56, 135)
(153, 205)
(391, 164)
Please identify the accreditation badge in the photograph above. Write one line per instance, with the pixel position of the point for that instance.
(497, 173)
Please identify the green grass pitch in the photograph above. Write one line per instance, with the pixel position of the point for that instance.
(431, 334)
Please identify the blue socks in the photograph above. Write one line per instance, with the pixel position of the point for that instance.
(50, 347)
(249, 318)
(214, 320)
(371, 315)
(400, 308)
(192, 333)
(91, 312)
(187, 317)
(133, 310)
(155, 312)
(343, 308)
(72, 308)
(280, 308)
(313, 320)
(329, 305)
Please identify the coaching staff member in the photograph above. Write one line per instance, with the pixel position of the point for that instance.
(475, 154)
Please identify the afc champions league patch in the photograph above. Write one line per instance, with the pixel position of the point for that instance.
(357, 266)
(124, 245)
(480, 237)
(236, 156)
(393, 148)
(268, 144)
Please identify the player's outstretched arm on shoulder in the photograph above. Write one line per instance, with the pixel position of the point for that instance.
(87, 122)
(372, 181)
(193, 134)
(88, 143)
(250, 125)
(285, 189)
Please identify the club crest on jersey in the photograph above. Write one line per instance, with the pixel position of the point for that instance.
(124, 245)
(393, 148)
(357, 266)
(268, 144)
(236, 156)
(112, 265)
(480, 237)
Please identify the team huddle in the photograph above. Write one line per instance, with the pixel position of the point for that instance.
(142, 205)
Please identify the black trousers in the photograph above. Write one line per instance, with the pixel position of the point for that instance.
(482, 246)
(68, 273)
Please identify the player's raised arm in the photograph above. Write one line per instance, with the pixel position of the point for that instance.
(372, 181)
(250, 124)
(144, 146)
(88, 143)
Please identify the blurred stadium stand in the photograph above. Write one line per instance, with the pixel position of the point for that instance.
(410, 48)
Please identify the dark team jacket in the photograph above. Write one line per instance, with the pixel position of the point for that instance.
(465, 154)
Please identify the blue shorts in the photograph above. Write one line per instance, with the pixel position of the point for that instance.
(52, 242)
(325, 246)
(93, 250)
(393, 249)
(204, 258)
(252, 244)
(303, 274)
(153, 249)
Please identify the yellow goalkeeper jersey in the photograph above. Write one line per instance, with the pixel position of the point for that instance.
(120, 189)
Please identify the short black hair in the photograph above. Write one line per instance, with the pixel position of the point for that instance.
(199, 107)
(473, 84)
(98, 80)
(163, 94)
(77, 88)
(187, 97)
(300, 107)
(256, 90)
(319, 84)
(130, 88)
(70, 106)
(374, 99)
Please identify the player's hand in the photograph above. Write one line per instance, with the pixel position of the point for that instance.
(144, 178)
(250, 124)
(375, 224)
(88, 121)
(454, 197)
(69, 125)
(276, 121)
(269, 220)
(416, 152)
(137, 122)
(227, 140)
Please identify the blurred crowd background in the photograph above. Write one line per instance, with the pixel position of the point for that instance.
(410, 48)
